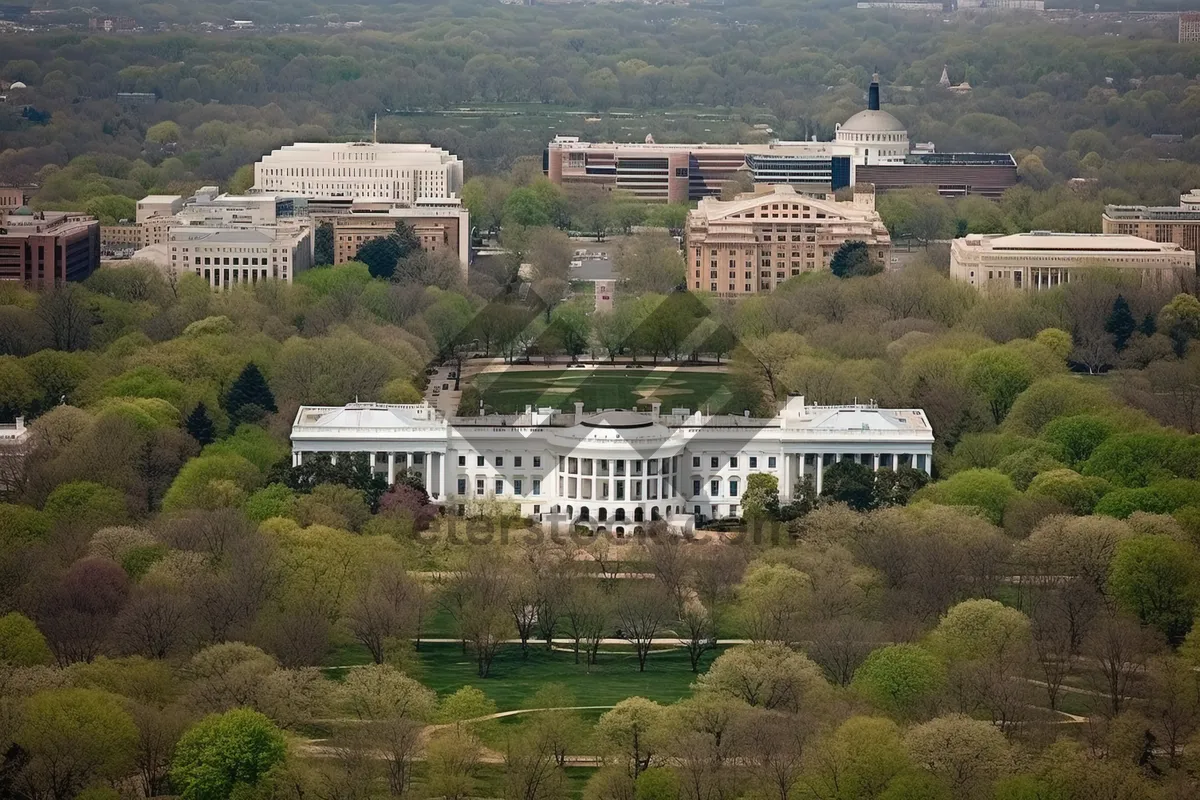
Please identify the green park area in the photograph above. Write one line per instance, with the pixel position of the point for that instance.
(512, 390)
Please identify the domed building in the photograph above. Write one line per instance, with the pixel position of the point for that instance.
(874, 135)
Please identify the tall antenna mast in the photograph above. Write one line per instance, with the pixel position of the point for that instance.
(375, 135)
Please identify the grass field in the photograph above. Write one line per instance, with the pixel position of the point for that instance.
(511, 391)
(513, 680)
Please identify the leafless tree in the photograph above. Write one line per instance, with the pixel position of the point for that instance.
(840, 644)
(1122, 649)
(587, 614)
(66, 317)
(154, 622)
(382, 610)
(481, 600)
(776, 749)
(1053, 642)
(643, 609)
(159, 730)
(671, 562)
(1173, 704)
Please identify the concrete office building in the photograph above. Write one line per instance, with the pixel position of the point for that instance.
(1189, 27)
(227, 239)
(1179, 224)
(612, 471)
(872, 146)
(334, 173)
(11, 198)
(1044, 260)
(43, 248)
(756, 242)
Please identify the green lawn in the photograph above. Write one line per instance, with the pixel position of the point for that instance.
(511, 391)
(513, 680)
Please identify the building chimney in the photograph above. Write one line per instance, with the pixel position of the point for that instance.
(578, 412)
(873, 93)
(655, 408)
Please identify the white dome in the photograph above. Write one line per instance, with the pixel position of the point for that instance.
(18, 85)
(873, 122)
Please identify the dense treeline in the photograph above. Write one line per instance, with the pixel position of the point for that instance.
(1037, 85)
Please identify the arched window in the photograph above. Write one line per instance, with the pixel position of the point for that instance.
(637, 514)
(620, 515)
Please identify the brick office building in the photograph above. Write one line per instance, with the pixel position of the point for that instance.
(48, 247)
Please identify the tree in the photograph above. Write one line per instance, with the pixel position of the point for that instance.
(21, 643)
(998, 374)
(382, 253)
(966, 753)
(649, 262)
(1120, 323)
(67, 316)
(78, 612)
(985, 489)
(643, 610)
(1157, 579)
(226, 753)
(980, 630)
(200, 426)
(249, 398)
(384, 610)
(761, 498)
(853, 260)
(768, 676)
(73, 737)
(772, 601)
(858, 760)
(851, 483)
(165, 132)
(900, 678)
(635, 731)
(323, 245)
(452, 760)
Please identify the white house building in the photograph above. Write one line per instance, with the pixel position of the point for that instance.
(612, 470)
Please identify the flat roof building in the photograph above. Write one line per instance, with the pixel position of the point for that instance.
(1179, 224)
(757, 241)
(444, 227)
(612, 470)
(347, 171)
(44, 248)
(872, 146)
(1043, 260)
(1189, 27)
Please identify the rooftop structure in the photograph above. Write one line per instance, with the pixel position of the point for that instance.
(405, 173)
(757, 241)
(445, 226)
(1189, 27)
(872, 144)
(612, 469)
(1043, 259)
(1179, 224)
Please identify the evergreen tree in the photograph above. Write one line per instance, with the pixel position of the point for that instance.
(1149, 325)
(383, 253)
(249, 398)
(853, 259)
(851, 483)
(200, 425)
(1121, 323)
(323, 250)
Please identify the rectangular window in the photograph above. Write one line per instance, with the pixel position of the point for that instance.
(714, 488)
(479, 486)
(499, 485)
(462, 461)
(733, 487)
(753, 462)
(462, 486)
(713, 462)
(516, 461)
(537, 461)
(499, 461)
(479, 461)
(695, 488)
(696, 461)
(517, 486)
(770, 462)
(537, 486)
(733, 462)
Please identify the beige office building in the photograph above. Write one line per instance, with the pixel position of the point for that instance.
(1044, 260)
(756, 242)
(1179, 224)
(438, 227)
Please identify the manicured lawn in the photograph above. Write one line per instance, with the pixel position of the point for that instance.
(509, 392)
(513, 681)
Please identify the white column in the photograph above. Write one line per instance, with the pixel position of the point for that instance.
(333, 458)
(428, 472)
(875, 460)
(820, 479)
(391, 467)
(785, 479)
(296, 458)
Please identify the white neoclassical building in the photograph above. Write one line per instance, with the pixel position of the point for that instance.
(612, 470)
